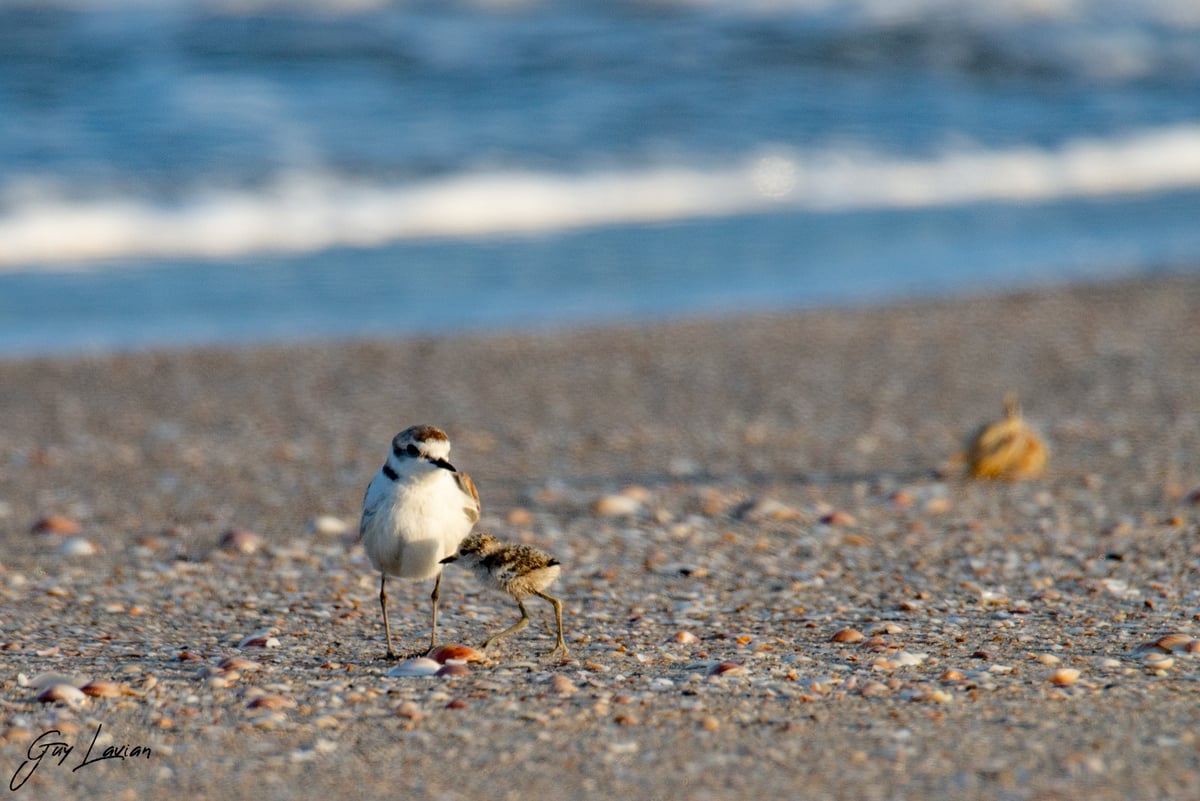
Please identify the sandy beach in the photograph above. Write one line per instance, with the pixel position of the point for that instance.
(776, 582)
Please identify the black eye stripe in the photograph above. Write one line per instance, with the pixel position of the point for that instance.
(411, 450)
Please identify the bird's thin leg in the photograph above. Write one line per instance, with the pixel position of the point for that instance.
(387, 627)
(520, 624)
(437, 591)
(561, 647)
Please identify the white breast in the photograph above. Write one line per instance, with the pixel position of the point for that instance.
(410, 525)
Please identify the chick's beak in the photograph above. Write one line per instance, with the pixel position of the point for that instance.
(451, 558)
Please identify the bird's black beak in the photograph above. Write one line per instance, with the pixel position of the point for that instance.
(442, 463)
(451, 558)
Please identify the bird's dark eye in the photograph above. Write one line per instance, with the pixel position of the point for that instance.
(412, 450)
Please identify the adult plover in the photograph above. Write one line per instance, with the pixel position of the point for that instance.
(416, 511)
(519, 570)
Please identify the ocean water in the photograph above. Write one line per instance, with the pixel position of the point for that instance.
(182, 172)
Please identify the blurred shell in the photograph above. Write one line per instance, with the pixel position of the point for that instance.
(55, 524)
(104, 689)
(328, 525)
(78, 546)
(62, 694)
(241, 540)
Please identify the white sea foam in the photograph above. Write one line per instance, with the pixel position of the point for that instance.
(309, 212)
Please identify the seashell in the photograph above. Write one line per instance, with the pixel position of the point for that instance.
(710, 723)
(62, 694)
(272, 702)
(421, 666)
(455, 652)
(838, 518)
(1048, 659)
(457, 703)
(55, 524)
(238, 663)
(685, 638)
(1064, 677)
(410, 711)
(519, 517)
(727, 668)
(847, 636)
(938, 505)
(561, 685)
(1155, 661)
(617, 506)
(928, 695)
(1169, 643)
(44, 680)
(951, 675)
(900, 659)
(259, 639)
(328, 526)
(453, 669)
(78, 546)
(104, 689)
(241, 540)
(1007, 449)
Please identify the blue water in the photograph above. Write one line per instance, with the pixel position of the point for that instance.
(193, 172)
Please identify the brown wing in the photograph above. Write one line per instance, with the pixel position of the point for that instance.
(471, 502)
